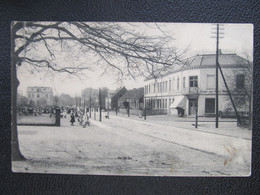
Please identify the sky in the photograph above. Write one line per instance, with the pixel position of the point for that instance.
(197, 37)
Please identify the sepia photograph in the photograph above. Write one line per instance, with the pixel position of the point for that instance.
(132, 98)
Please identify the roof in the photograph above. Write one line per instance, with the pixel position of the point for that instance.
(133, 94)
(119, 91)
(210, 60)
(39, 89)
(206, 60)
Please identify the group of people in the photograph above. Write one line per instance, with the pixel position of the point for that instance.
(83, 119)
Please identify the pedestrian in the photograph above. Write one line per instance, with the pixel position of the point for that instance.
(80, 119)
(72, 119)
(85, 121)
(107, 116)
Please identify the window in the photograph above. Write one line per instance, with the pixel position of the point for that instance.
(211, 81)
(193, 81)
(210, 105)
(166, 85)
(163, 86)
(170, 85)
(154, 87)
(240, 81)
(165, 103)
(183, 82)
(173, 82)
(149, 88)
(29, 95)
(38, 95)
(178, 83)
(160, 86)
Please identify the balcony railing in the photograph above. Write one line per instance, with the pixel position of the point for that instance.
(190, 91)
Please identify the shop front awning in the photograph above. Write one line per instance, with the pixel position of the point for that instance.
(179, 102)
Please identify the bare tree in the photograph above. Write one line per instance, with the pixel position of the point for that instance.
(242, 84)
(58, 47)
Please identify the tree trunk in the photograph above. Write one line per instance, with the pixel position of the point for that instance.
(16, 154)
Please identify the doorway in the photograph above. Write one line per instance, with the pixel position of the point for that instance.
(193, 103)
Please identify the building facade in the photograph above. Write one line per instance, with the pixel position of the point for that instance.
(133, 99)
(108, 100)
(182, 91)
(40, 96)
(118, 94)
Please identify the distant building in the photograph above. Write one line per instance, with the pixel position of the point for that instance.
(39, 96)
(133, 98)
(114, 99)
(89, 98)
(108, 99)
(181, 90)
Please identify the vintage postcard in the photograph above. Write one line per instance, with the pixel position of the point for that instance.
(140, 99)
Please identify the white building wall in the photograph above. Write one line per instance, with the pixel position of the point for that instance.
(206, 84)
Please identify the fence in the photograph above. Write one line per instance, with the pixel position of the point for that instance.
(136, 112)
(156, 112)
(39, 119)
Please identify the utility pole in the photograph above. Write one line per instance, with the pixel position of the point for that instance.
(144, 109)
(230, 96)
(90, 103)
(100, 115)
(217, 53)
(217, 76)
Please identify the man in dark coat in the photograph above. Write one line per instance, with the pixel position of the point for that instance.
(72, 119)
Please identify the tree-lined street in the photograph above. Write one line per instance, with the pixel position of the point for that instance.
(148, 84)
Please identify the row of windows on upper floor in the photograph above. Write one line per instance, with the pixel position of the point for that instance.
(39, 89)
(170, 85)
(38, 95)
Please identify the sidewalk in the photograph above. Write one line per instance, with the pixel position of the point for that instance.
(227, 127)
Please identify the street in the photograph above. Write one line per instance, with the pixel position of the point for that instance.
(122, 146)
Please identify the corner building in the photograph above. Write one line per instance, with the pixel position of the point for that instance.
(182, 89)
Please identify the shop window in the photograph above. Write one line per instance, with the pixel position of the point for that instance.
(210, 105)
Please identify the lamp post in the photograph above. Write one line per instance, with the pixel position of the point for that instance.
(100, 114)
